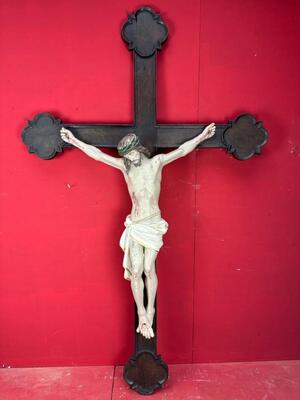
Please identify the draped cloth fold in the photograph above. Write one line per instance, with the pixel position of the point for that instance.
(148, 232)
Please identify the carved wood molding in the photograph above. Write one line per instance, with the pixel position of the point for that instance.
(145, 32)
(245, 136)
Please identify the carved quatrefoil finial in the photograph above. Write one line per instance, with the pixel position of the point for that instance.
(245, 137)
(42, 136)
(144, 31)
(145, 372)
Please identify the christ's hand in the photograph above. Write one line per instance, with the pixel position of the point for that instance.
(208, 132)
(67, 135)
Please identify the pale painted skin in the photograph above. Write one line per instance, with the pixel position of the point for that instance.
(144, 182)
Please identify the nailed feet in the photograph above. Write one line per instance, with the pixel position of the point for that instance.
(145, 327)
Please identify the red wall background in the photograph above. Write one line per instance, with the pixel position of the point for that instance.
(229, 278)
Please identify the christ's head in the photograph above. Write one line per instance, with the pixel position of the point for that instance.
(131, 150)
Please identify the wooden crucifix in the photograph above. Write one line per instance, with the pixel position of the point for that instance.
(145, 32)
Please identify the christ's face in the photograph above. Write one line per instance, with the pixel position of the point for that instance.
(134, 156)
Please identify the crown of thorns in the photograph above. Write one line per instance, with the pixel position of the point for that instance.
(132, 143)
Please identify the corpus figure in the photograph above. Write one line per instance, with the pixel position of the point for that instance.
(144, 227)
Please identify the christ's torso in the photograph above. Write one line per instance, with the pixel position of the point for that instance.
(143, 184)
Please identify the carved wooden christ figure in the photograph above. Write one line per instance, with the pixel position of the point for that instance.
(144, 226)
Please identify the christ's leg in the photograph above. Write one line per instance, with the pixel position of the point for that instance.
(137, 287)
(151, 281)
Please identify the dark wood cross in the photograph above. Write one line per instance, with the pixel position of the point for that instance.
(145, 32)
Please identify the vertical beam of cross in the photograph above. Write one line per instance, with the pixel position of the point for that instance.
(145, 100)
(145, 32)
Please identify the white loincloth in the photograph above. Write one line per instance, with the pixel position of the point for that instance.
(148, 232)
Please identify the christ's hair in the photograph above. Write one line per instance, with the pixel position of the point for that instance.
(128, 143)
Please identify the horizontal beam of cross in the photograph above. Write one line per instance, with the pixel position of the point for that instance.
(243, 136)
(168, 136)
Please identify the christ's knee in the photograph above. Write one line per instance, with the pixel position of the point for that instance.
(149, 267)
(136, 257)
(136, 272)
(149, 263)
(150, 271)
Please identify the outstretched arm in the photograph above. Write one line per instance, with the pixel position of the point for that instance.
(188, 146)
(91, 151)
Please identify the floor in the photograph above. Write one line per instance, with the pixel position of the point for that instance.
(274, 380)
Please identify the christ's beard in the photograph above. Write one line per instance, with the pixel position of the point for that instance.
(128, 163)
(137, 163)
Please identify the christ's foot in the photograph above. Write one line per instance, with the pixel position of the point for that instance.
(144, 327)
